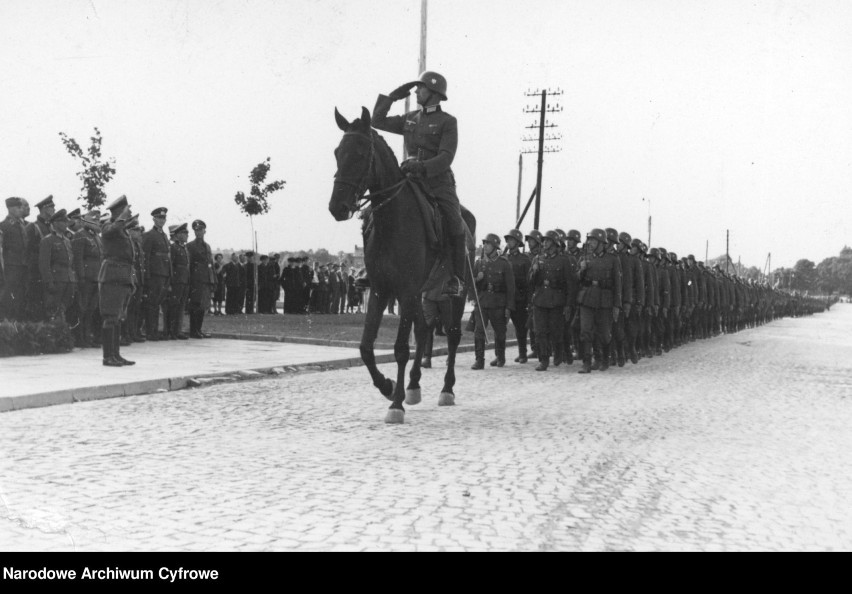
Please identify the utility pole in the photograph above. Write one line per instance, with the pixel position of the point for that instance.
(706, 251)
(649, 220)
(520, 174)
(541, 124)
(422, 60)
(727, 246)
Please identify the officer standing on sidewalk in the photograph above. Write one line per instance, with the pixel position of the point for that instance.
(117, 280)
(202, 279)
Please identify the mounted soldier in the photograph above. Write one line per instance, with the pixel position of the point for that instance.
(431, 137)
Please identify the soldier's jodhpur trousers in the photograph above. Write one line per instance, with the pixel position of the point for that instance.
(596, 325)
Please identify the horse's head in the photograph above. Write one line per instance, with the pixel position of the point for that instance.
(355, 155)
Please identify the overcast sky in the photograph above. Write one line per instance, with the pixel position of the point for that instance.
(722, 115)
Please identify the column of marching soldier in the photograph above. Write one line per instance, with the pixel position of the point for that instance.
(611, 301)
(103, 276)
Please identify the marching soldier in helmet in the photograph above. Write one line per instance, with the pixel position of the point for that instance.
(572, 241)
(663, 301)
(180, 282)
(599, 298)
(611, 248)
(158, 273)
(533, 240)
(56, 268)
(14, 261)
(555, 286)
(520, 270)
(88, 255)
(495, 284)
(651, 298)
(566, 354)
(202, 279)
(632, 300)
(673, 337)
(431, 137)
(117, 280)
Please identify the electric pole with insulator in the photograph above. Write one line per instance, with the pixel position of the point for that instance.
(541, 124)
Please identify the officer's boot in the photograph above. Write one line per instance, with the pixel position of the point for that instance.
(557, 354)
(123, 332)
(533, 346)
(543, 362)
(598, 352)
(109, 355)
(586, 350)
(522, 347)
(479, 349)
(427, 349)
(612, 354)
(605, 353)
(116, 342)
(500, 348)
(619, 354)
(455, 286)
(634, 356)
(151, 330)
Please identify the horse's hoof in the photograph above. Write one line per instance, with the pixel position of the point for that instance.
(389, 395)
(412, 396)
(446, 399)
(395, 416)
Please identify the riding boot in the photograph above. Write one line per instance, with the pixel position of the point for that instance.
(567, 354)
(612, 356)
(457, 246)
(533, 346)
(619, 355)
(479, 349)
(106, 341)
(634, 356)
(586, 350)
(543, 363)
(116, 345)
(605, 351)
(596, 349)
(123, 331)
(500, 348)
(557, 354)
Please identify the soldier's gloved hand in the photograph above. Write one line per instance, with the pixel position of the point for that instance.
(615, 312)
(402, 91)
(627, 308)
(413, 167)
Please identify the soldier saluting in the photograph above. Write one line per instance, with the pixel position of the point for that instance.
(117, 280)
(431, 137)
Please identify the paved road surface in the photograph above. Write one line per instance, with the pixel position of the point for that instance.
(742, 442)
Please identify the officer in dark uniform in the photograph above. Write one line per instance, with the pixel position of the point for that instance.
(600, 298)
(231, 276)
(673, 329)
(14, 261)
(651, 300)
(116, 280)
(663, 300)
(533, 239)
(88, 255)
(495, 285)
(554, 283)
(158, 272)
(36, 231)
(431, 137)
(56, 268)
(75, 224)
(572, 241)
(251, 282)
(202, 279)
(131, 330)
(180, 282)
(521, 265)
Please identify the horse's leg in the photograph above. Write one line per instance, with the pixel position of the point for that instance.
(375, 311)
(396, 413)
(453, 320)
(412, 392)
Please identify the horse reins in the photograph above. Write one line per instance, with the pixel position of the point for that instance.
(361, 199)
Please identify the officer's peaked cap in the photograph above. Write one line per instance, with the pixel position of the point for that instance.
(74, 214)
(119, 202)
(159, 212)
(46, 202)
(198, 224)
(59, 215)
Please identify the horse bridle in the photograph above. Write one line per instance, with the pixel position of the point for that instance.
(361, 199)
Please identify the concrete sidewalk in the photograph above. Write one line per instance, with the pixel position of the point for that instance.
(45, 380)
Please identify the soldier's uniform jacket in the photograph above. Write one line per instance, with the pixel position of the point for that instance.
(713, 299)
(88, 255)
(429, 134)
(554, 282)
(138, 258)
(56, 260)
(632, 279)
(497, 287)
(675, 289)
(664, 287)
(699, 294)
(157, 254)
(521, 264)
(180, 263)
(652, 296)
(13, 242)
(601, 281)
(200, 263)
(36, 231)
(118, 251)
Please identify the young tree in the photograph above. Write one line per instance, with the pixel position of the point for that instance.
(256, 201)
(96, 171)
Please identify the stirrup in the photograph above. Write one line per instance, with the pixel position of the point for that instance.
(453, 287)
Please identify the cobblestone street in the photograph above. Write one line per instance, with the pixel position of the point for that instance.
(741, 442)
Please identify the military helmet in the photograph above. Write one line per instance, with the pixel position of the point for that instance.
(516, 235)
(434, 82)
(654, 253)
(553, 235)
(625, 238)
(597, 234)
(644, 247)
(493, 239)
(574, 235)
(663, 253)
(611, 235)
(534, 234)
(637, 243)
(691, 257)
(673, 257)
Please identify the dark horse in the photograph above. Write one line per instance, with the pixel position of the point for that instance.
(396, 255)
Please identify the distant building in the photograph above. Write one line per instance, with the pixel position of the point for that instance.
(358, 258)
